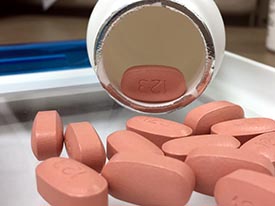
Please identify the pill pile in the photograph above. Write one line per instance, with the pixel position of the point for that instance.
(156, 162)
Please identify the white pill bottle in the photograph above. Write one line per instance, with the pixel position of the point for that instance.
(184, 34)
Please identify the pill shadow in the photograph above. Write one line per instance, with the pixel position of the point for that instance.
(67, 105)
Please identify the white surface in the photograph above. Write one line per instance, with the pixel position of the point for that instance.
(241, 81)
(20, 83)
(246, 82)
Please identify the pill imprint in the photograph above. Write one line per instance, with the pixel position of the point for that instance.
(152, 83)
(263, 144)
(66, 182)
(244, 129)
(148, 179)
(203, 117)
(47, 135)
(245, 188)
(157, 130)
(211, 163)
(84, 145)
(128, 141)
(180, 148)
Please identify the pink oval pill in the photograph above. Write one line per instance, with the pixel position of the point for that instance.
(47, 135)
(149, 179)
(128, 141)
(203, 117)
(244, 129)
(157, 130)
(263, 144)
(245, 188)
(180, 148)
(66, 182)
(151, 83)
(211, 163)
(84, 145)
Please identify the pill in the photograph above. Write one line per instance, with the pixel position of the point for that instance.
(211, 163)
(47, 135)
(66, 182)
(84, 145)
(149, 179)
(180, 148)
(263, 144)
(128, 141)
(244, 129)
(203, 117)
(157, 130)
(152, 83)
(245, 188)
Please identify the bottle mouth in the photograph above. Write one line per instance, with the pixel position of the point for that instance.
(154, 36)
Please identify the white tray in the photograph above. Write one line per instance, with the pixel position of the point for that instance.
(78, 97)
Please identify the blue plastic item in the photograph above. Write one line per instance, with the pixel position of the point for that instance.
(41, 57)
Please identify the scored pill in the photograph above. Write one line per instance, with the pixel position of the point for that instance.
(180, 148)
(84, 145)
(152, 83)
(47, 135)
(203, 117)
(263, 144)
(244, 129)
(245, 188)
(128, 141)
(149, 179)
(66, 182)
(157, 130)
(211, 163)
